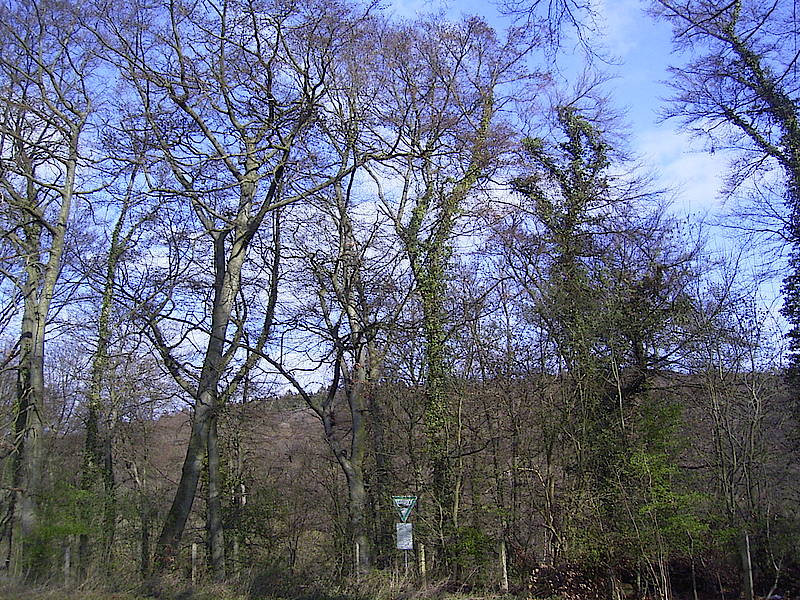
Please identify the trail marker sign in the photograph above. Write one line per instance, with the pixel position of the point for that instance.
(404, 505)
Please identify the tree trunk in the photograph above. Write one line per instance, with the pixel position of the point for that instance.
(378, 485)
(352, 462)
(347, 285)
(168, 544)
(429, 259)
(145, 514)
(27, 461)
(109, 498)
(28, 452)
(144, 548)
(216, 538)
(357, 504)
(437, 404)
(98, 460)
(43, 116)
(226, 287)
(87, 478)
(747, 566)
(354, 466)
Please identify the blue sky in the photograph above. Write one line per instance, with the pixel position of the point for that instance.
(641, 50)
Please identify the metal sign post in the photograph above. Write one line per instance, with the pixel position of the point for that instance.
(405, 540)
(405, 531)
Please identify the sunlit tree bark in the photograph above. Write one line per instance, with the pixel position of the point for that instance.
(45, 72)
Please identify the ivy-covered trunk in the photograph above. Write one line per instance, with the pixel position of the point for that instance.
(429, 254)
(438, 409)
(98, 460)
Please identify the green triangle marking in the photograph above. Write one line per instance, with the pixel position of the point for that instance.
(404, 505)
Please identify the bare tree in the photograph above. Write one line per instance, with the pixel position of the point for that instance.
(740, 89)
(231, 93)
(353, 313)
(742, 406)
(46, 70)
(348, 274)
(554, 21)
(130, 210)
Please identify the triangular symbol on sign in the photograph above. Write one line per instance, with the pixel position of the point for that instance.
(404, 504)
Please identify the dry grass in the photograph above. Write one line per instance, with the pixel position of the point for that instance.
(376, 586)
(54, 593)
(169, 592)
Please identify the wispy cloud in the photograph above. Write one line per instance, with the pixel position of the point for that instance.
(695, 176)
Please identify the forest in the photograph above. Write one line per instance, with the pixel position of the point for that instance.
(266, 265)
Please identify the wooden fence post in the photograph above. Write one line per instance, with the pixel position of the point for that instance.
(194, 563)
(503, 568)
(67, 560)
(422, 566)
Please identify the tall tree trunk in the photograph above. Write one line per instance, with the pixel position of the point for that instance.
(438, 418)
(216, 539)
(144, 538)
(747, 566)
(355, 469)
(145, 513)
(27, 459)
(226, 287)
(98, 461)
(38, 291)
(379, 482)
(345, 279)
(350, 460)
(88, 476)
(109, 497)
(429, 255)
(167, 546)
(357, 506)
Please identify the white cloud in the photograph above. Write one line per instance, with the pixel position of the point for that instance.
(682, 166)
(618, 26)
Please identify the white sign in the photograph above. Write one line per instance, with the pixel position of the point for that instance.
(405, 536)
(404, 504)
